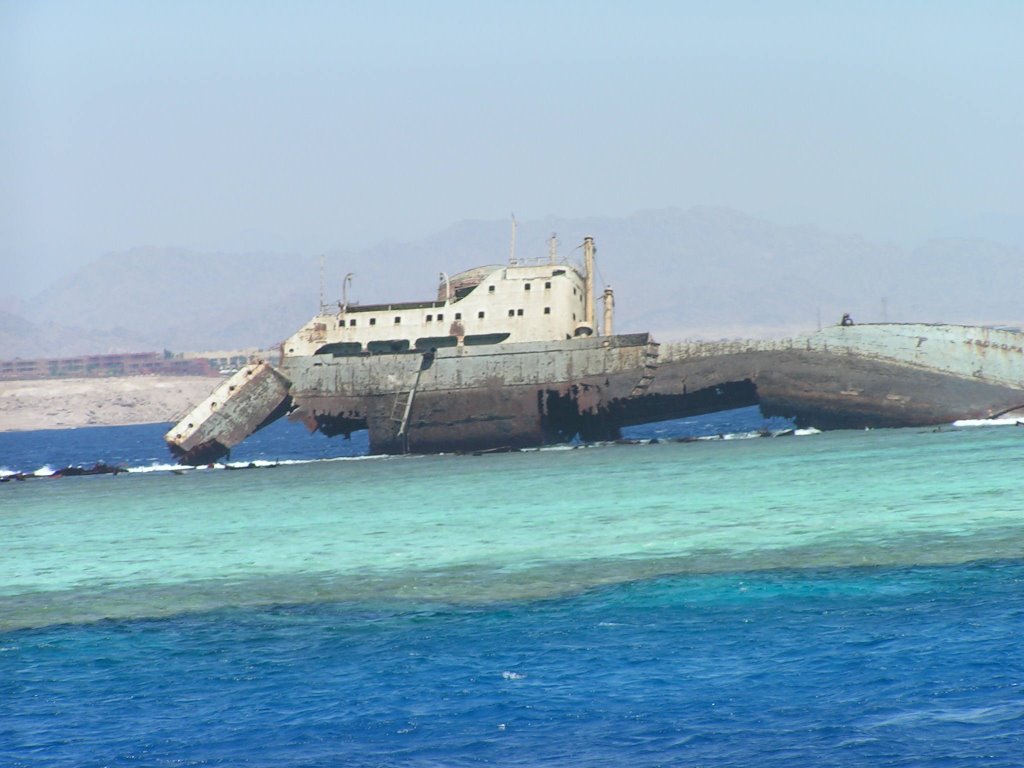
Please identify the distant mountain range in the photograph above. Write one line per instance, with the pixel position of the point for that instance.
(697, 273)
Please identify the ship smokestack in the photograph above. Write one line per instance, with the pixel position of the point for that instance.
(609, 308)
(588, 268)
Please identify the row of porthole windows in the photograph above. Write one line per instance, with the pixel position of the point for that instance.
(398, 319)
(527, 287)
(440, 317)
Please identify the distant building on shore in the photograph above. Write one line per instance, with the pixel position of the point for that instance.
(166, 363)
(226, 362)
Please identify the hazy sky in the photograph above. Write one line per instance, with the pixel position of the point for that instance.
(309, 126)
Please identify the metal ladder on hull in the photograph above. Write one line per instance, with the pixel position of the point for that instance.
(403, 422)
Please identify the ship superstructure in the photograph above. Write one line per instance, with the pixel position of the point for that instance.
(481, 306)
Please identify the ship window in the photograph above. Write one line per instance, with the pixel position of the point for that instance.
(398, 321)
(558, 272)
(440, 318)
(519, 312)
(458, 315)
(480, 314)
(485, 338)
(547, 310)
(429, 318)
(511, 313)
(352, 322)
(526, 287)
(573, 315)
(547, 284)
(340, 349)
(435, 342)
(383, 347)
(490, 289)
(373, 321)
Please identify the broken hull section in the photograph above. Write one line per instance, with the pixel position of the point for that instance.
(872, 393)
(883, 375)
(824, 391)
(245, 402)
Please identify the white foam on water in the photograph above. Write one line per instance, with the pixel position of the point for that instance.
(741, 435)
(989, 423)
(160, 468)
(759, 433)
(254, 464)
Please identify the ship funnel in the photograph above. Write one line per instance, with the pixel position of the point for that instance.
(609, 308)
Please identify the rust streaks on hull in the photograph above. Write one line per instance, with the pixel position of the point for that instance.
(465, 399)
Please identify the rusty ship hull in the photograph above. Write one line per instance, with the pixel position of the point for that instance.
(451, 400)
(472, 399)
(516, 396)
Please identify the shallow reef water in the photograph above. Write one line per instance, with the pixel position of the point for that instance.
(848, 598)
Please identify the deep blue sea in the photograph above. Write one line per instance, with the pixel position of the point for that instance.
(822, 599)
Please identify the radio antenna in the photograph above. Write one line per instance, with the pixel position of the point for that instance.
(321, 283)
(512, 248)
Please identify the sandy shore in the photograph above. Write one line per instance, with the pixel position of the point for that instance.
(64, 403)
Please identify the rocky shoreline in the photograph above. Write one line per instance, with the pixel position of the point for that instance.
(95, 402)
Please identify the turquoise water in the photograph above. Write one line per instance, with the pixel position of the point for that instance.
(847, 598)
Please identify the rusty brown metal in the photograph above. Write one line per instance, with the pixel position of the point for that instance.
(503, 396)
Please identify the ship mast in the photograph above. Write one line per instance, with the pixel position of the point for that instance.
(344, 291)
(512, 247)
(588, 276)
(322, 284)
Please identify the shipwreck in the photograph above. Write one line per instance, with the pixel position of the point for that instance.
(510, 356)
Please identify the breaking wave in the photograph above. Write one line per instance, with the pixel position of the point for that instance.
(989, 423)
